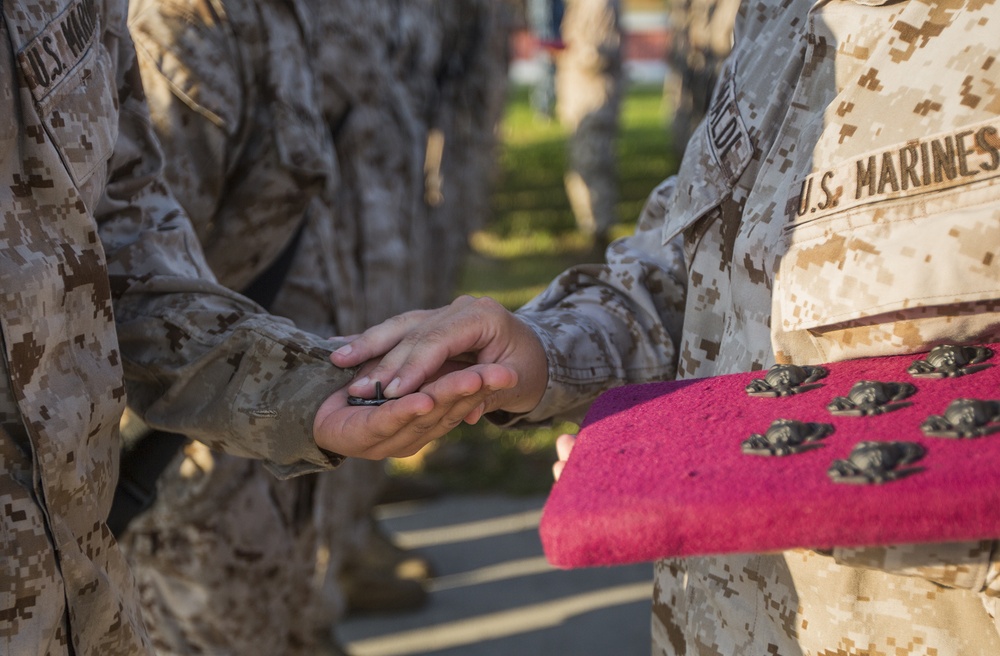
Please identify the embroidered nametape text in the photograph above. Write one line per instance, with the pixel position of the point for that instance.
(59, 47)
(728, 138)
(933, 163)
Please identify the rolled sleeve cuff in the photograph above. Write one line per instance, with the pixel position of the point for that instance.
(568, 392)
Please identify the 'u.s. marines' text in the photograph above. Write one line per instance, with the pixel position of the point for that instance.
(934, 163)
(56, 50)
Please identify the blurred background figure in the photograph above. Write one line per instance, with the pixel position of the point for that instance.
(545, 20)
(589, 87)
(701, 38)
(334, 157)
(530, 238)
(424, 84)
(413, 93)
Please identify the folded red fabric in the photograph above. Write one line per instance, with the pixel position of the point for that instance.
(703, 467)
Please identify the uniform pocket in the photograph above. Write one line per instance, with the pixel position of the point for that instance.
(83, 124)
(894, 235)
(71, 79)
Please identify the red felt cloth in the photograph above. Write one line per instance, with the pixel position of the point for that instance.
(657, 471)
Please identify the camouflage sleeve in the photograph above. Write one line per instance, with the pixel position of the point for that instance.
(968, 565)
(605, 325)
(199, 359)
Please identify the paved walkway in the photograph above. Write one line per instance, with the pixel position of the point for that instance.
(495, 594)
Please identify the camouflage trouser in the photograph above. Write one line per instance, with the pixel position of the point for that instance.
(231, 560)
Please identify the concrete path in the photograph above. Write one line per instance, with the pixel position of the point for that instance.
(495, 594)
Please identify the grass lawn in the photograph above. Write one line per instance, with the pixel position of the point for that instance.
(531, 238)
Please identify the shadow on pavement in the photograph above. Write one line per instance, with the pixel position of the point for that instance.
(495, 594)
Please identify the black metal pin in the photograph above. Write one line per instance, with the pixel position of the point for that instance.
(378, 400)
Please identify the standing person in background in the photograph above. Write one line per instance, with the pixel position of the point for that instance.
(107, 298)
(244, 115)
(701, 37)
(841, 200)
(413, 93)
(417, 148)
(234, 101)
(589, 87)
(545, 20)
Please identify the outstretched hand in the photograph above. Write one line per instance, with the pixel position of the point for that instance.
(403, 426)
(416, 347)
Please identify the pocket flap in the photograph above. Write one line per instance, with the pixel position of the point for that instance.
(907, 253)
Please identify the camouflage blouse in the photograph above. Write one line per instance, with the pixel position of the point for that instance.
(106, 294)
(841, 200)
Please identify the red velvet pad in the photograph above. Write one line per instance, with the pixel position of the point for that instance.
(658, 471)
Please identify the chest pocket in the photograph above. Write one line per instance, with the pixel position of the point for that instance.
(902, 230)
(70, 77)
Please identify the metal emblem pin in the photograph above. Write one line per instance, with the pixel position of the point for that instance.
(871, 397)
(785, 437)
(951, 361)
(378, 400)
(874, 463)
(963, 419)
(785, 380)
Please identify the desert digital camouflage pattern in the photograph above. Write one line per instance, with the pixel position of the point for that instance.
(841, 200)
(412, 93)
(92, 242)
(248, 155)
(244, 95)
(233, 98)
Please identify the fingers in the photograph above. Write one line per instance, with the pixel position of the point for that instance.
(413, 347)
(476, 414)
(564, 445)
(381, 338)
(403, 426)
(456, 397)
(377, 340)
(343, 338)
(353, 430)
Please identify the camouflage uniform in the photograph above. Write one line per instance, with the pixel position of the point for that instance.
(245, 129)
(841, 200)
(103, 278)
(233, 99)
(589, 86)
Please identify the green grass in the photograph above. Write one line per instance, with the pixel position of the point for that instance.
(531, 238)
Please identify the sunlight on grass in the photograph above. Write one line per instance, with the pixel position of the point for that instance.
(495, 246)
